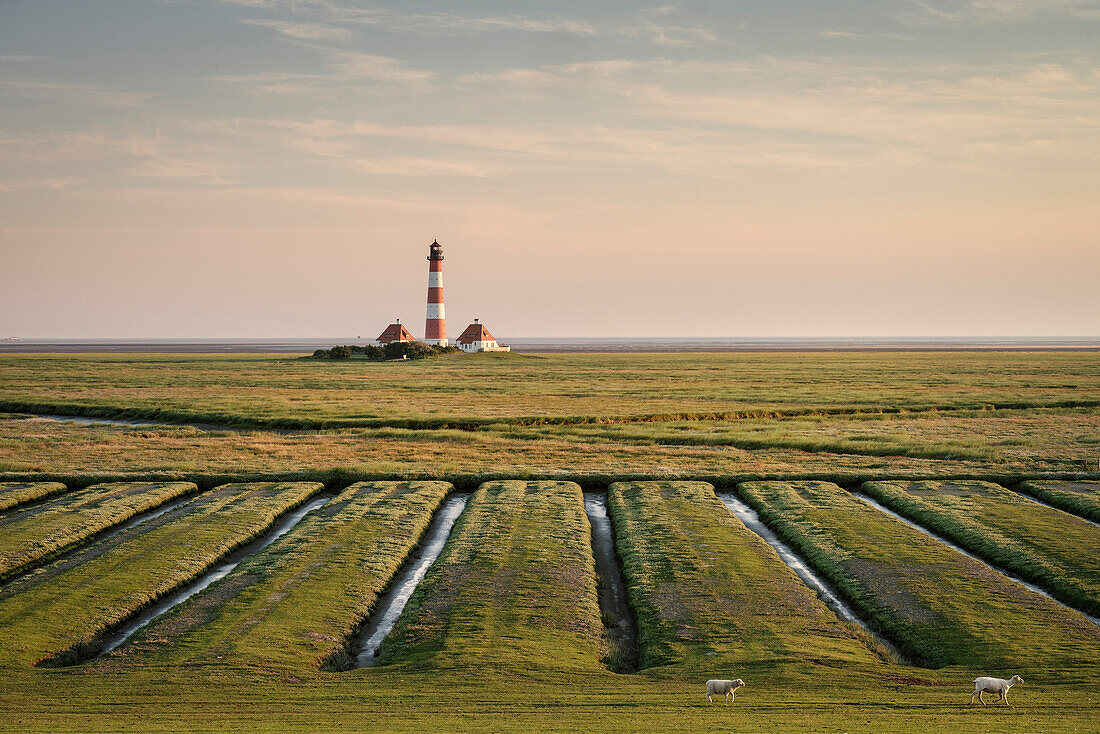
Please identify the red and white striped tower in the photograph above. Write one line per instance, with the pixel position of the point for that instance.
(435, 328)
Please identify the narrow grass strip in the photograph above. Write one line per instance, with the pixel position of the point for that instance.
(17, 494)
(660, 434)
(1080, 498)
(935, 604)
(299, 602)
(1050, 548)
(245, 419)
(62, 611)
(29, 539)
(514, 589)
(710, 594)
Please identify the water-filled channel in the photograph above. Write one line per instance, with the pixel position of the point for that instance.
(393, 602)
(281, 527)
(752, 521)
(614, 606)
(968, 554)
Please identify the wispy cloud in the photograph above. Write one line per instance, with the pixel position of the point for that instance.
(81, 94)
(379, 68)
(304, 31)
(345, 73)
(995, 11)
(331, 20)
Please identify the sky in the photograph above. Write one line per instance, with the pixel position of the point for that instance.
(278, 168)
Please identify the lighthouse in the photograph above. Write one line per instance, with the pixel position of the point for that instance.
(435, 327)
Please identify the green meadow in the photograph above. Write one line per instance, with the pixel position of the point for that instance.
(31, 537)
(936, 605)
(15, 494)
(1040, 544)
(506, 633)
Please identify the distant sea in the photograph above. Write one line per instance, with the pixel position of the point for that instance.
(656, 344)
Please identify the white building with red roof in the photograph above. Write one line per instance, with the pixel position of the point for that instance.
(394, 333)
(477, 338)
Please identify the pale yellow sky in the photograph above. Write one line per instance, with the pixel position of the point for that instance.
(261, 168)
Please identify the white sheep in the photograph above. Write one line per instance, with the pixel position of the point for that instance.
(994, 685)
(725, 687)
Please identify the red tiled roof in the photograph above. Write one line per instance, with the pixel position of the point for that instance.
(395, 333)
(476, 333)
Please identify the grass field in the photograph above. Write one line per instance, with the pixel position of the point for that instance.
(935, 604)
(297, 603)
(518, 651)
(664, 415)
(14, 494)
(47, 448)
(514, 587)
(33, 536)
(1081, 498)
(465, 390)
(62, 611)
(1047, 547)
(505, 632)
(697, 578)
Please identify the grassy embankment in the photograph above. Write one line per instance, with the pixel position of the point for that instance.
(30, 538)
(936, 605)
(16, 494)
(63, 611)
(1080, 498)
(1050, 548)
(515, 588)
(299, 602)
(711, 596)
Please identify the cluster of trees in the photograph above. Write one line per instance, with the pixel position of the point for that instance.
(393, 350)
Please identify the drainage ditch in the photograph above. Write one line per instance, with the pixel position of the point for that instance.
(620, 628)
(1038, 590)
(393, 602)
(103, 535)
(825, 592)
(281, 527)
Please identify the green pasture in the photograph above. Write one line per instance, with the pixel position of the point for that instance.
(1048, 547)
(865, 415)
(1081, 498)
(298, 602)
(504, 635)
(711, 595)
(15, 494)
(468, 390)
(514, 588)
(1026, 438)
(936, 605)
(1023, 444)
(61, 612)
(505, 632)
(32, 537)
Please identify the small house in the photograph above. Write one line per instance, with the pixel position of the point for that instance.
(394, 333)
(477, 338)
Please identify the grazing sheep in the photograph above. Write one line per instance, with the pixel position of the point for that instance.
(994, 685)
(725, 687)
